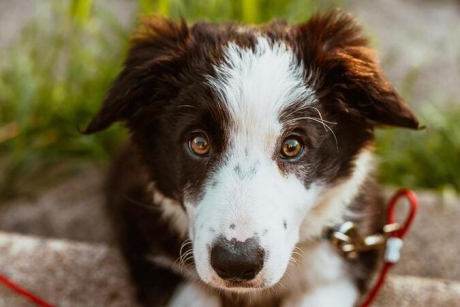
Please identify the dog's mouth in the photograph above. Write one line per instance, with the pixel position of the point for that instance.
(238, 285)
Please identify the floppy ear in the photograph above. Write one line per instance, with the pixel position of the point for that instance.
(334, 45)
(155, 48)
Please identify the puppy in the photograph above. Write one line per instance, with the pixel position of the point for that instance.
(248, 145)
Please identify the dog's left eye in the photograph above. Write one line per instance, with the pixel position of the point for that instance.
(291, 148)
(199, 145)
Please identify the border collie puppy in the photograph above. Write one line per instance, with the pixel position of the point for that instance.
(248, 144)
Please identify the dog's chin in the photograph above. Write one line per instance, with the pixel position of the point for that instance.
(239, 287)
(255, 285)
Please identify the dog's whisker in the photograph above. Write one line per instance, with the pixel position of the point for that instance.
(187, 106)
(187, 256)
(292, 260)
(324, 123)
(137, 203)
(184, 244)
(183, 258)
(320, 115)
(319, 120)
(298, 249)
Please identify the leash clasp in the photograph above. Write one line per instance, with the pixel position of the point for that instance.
(349, 241)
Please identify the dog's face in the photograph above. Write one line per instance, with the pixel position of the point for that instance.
(262, 134)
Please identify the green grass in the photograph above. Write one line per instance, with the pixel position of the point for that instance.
(248, 11)
(427, 159)
(55, 75)
(52, 78)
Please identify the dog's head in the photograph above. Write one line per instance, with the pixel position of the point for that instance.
(263, 134)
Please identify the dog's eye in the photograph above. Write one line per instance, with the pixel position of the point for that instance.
(199, 145)
(291, 148)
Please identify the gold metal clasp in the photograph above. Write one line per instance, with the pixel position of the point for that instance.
(350, 242)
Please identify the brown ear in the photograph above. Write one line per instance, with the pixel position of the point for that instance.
(334, 45)
(155, 47)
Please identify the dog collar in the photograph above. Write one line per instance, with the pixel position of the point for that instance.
(350, 243)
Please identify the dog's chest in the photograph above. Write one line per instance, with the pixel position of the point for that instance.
(312, 265)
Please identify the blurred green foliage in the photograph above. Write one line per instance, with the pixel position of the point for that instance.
(55, 75)
(248, 11)
(52, 78)
(429, 158)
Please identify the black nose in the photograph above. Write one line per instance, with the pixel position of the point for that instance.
(237, 261)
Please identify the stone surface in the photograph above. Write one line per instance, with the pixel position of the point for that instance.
(73, 209)
(73, 274)
(64, 273)
(431, 248)
(407, 291)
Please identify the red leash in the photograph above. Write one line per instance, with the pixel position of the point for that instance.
(393, 246)
(23, 292)
(394, 243)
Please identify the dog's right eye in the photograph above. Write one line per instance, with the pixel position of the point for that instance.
(291, 148)
(199, 145)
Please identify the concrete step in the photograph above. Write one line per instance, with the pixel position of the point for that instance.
(72, 274)
(63, 272)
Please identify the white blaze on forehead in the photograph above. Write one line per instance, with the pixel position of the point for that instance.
(257, 84)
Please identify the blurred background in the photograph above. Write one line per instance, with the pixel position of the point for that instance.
(58, 58)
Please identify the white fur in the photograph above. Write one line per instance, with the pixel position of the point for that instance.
(191, 294)
(342, 293)
(256, 206)
(316, 272)
(256, 85)
(171, 211)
